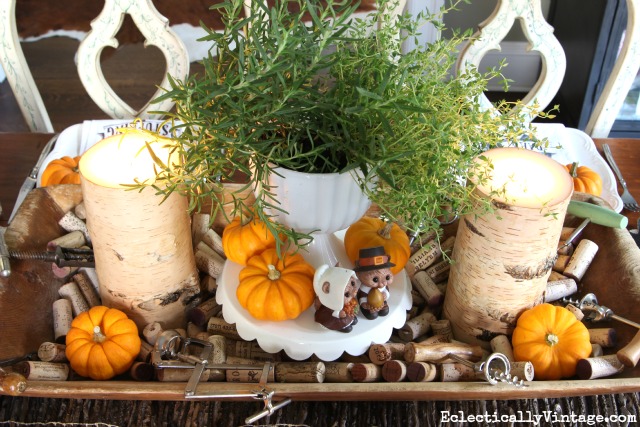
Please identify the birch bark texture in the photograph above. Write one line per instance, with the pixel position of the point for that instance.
(141, 241)
(144, 258)
(501, 260)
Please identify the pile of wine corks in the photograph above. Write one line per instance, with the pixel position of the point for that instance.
(420, 351)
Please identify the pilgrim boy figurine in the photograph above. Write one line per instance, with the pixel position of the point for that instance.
(373, 270)
(335, 303)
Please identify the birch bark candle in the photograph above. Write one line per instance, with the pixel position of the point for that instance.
(142, 243)
(502, 259)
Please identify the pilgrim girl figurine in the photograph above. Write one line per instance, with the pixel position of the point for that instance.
(335, 303)
(373, 270)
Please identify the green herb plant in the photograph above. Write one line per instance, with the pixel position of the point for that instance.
(309, 86)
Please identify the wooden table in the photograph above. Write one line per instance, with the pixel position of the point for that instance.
(21, 150)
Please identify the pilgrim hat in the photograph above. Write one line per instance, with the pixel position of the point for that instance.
(373, 259)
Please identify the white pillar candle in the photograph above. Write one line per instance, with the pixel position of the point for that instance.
(501, 260)
(142, 243)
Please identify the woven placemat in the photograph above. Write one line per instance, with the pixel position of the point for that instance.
(25, 411)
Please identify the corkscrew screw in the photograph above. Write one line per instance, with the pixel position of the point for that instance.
(62, 257)
(491, 373)
(595, 312)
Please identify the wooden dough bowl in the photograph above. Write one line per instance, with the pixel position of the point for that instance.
(26, 299)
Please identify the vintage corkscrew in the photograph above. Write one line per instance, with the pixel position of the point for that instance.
(62, 257)
(171, 350)
(596, 312)
(496, 368)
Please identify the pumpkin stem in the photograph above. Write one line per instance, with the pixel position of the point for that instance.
(574, 170)
(98, 336)
(274, 274)
(385, 232)
(552, 339)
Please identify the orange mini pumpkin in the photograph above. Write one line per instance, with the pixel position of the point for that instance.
(552, 339)
(585, 179)
(370, 232)
(61, 171)
(245, 237)
(274, 288)
(102, 343)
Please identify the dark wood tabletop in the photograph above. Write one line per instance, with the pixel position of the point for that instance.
(21, 150)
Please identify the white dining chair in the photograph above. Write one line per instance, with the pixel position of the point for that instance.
(622, 76)
(541, 39)
(153, 26)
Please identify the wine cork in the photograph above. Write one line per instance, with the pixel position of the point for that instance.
(209, 284)
(179, 374)
(561, 263)
(447, 246)
(502, 344)
(596, 350)
(349, 358)
(566, 233)
(200, 314)
(443, 328)
(442, 286)
(439, 271)
(145, 351)
(381, 353)
(142, 371)
(90, 273)
(554, 275)
(199, 226)
(423, 257)
(427, 288)
(217, 356)
(194, 330)
(75, 239)
(366, 372)
(606, 337)
(214, 241)
(71, 292)
(81, 211)
(416, 327)
(456, 372)
(422, 240)
(86, 288)
(416, 298)
(421, 372)
(63, 272)
(250, 350)
(208, 261)
(558, 289)
(434, 339)
(299, 372)
(630, 353)
(565, 249)
(152, 331)
(218, 326)
(523, 370)
(575, 311)
(248, 375)
(581, 259)
(52, 352)
(598, 367)
(70, 222)
(394, 371)
(43, 371)
(439, 352)
(62, 317)
(337, 372)
(412, 312)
